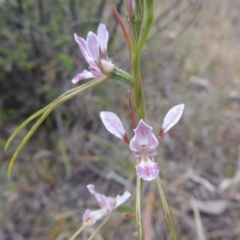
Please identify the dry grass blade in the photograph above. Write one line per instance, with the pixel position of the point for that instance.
(216, 207)
(199, 226)
(204, 182)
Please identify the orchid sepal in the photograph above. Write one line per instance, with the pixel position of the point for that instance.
(172, 117)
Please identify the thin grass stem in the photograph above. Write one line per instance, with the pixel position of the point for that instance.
(99, 228)
(77, 232)
(166, 210)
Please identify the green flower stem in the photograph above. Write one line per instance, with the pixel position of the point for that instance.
(137, 84)
(122, 76)
(47, 111)
(138, 208)
(166, 210)
(99, 228)
(138, 18)
(77, 232)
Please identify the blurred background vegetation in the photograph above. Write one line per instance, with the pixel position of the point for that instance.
(192, 56)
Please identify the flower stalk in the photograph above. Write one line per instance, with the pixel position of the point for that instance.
(101, 225)
(122, 76)
(138, 208)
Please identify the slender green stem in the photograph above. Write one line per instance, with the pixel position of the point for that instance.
(122, 76)
(99, 228)
(138, 208)
(77, 232)
(138, 18)
(137, 84)
(166, 210)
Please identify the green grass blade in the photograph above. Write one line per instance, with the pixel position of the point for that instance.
(166, 210)
(35, 115)
(50, 108)
(25, 123)
(65, 157)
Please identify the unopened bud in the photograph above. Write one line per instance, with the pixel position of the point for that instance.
(131, 9)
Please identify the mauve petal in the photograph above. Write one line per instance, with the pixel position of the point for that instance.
(90, 217)
(96, 72)
(121, 199)
(103, 38)
(143, 137)
(81, 76)
(113, 124)
(147, 169)
(137, 154)
(102, 200)
(93, 45)
(94, 69)
(83, 47)
(153, 153)
(172, 117)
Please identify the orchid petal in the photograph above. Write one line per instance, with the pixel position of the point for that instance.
(113, 124)
(172, 117)
(103, 38)
(96, 72)
(93, 45)
(102, 200)
(147, 169)
(107, 205)
(91, 217)
(94, 69)
(83, 47)
(81, 76)
(121, 199)
(143, 137)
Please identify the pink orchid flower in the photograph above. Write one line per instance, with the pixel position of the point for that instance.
(107, 204)
(94, 50)
(144, 142)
